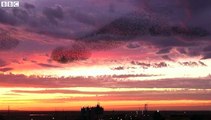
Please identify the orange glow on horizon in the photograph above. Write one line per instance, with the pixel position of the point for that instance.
(110, 105)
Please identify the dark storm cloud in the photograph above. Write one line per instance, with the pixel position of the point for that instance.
(190, 51)
(207, 55)
(103, 44)
(54, 14)
(126, 27)
(166, 57)
(7, 42)
(199, 6)
(182, 50)
(21, 14)
(207, 49)
(133, 45)
(29, 6)
(170, 42)
(159, 23)
(81, 17)
(207, 52)
(75, 52)
(164, 50)
(18, 16)
(134, 24)
(137, 25)
(6, 18)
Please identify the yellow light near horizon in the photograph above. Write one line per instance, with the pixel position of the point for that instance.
(108, 105)
(49, 101)
(175, 71)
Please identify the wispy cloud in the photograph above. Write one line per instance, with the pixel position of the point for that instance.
(101, 81)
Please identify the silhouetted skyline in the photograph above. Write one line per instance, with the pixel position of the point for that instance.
(66, 54)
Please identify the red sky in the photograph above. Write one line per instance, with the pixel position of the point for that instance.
(123, 55)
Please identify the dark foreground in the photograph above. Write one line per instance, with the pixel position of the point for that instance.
(109, 115)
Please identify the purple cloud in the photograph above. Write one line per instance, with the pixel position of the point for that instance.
(75, 52)
(102, 81)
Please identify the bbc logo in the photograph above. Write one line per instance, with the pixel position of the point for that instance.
(9, 4)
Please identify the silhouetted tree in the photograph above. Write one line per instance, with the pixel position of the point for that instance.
(90, 113)
(98, 110)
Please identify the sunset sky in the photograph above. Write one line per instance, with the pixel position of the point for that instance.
(66, 54)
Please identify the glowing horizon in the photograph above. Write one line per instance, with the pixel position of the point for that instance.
(126, 54)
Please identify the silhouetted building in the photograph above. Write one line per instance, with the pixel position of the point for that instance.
(92, 113)
(145, 114)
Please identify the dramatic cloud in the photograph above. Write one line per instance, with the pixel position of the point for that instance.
(199, 6)
(83, 18)
(160, 65)
(164, 51)
(140, 63)
(207, 56)
(102, 81)
(147, 65)
(2, 63)
(29, 6)
(207, 49)
(192, 64)
(118, 68)
(5, 69)
(21, 14)
(75, 52)
(54, 14)
(47, 65)
(137, 25)
(166, 57)
(7, 42)
(6, 17)
(133, 45)
(112, 50)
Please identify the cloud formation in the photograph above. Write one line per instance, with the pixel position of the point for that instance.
(5, 69)
(112, 50)
(11, 80)
(2, 63)
(54, 14)
(136, 25)
(7, 42)
(192, 64)
(147, 65)
(74, 52)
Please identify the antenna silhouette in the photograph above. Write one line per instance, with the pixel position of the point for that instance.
(145, 107)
